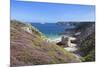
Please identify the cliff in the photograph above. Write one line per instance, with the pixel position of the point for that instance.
(84, 32)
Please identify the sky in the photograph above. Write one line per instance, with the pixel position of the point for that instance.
(50, 12)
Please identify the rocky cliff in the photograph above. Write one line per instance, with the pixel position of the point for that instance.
(86, 43)
(84, 32)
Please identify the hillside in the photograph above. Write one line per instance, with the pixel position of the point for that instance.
(86, 43)
(84, 32)
(29, 47)
(86, 40)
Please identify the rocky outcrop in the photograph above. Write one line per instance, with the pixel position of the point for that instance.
(66, 41)
(27, 29)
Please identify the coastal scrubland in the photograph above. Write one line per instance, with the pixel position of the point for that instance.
(29, 47)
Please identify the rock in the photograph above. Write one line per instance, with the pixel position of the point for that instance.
(66, 41)
(27, 29)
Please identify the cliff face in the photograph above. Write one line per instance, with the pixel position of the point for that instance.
(86, 31)
(86, 41)
(29, 47)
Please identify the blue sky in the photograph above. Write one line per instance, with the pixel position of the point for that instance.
(50, 12)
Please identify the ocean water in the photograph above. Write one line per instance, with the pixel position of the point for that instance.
(50, 30)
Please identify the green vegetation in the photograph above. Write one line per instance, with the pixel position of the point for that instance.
(87, 47)
(90, 57)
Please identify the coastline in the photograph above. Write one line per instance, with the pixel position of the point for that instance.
(55, 39)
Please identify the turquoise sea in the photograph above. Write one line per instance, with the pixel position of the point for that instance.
(50, 30)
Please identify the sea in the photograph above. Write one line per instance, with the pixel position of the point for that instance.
(50, 30)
